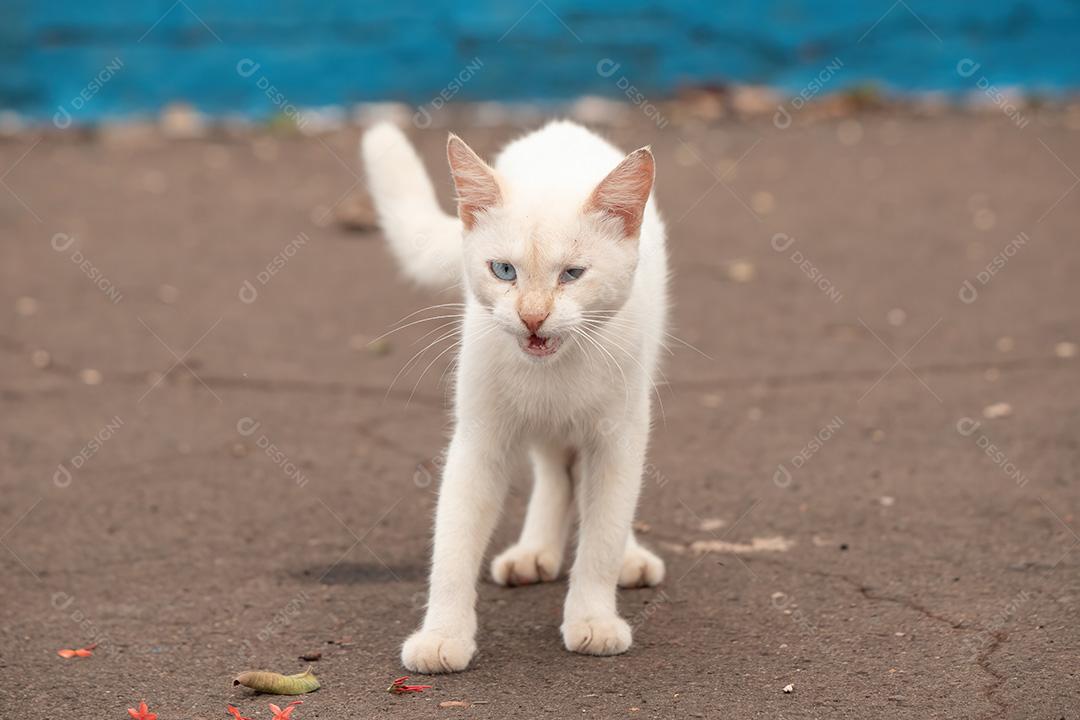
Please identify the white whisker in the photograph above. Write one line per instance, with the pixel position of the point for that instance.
(627, 317)
(416, 322)
(432, 332)
(625, 325)
(425, 309)
(645, 373)
(409, 363)
(581, 332)
(446, 350)
(596, 341)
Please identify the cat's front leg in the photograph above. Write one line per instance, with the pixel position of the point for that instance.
(470, 498)
(607, 498)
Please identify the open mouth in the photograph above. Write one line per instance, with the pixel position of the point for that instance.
(538, 346)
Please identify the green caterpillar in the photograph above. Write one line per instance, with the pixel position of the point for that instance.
(274, 683)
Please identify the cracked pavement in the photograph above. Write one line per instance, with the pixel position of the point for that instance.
(264, 495)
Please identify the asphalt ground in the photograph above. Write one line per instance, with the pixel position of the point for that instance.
(863, 484)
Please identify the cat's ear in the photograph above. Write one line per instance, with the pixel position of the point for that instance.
(475, 182)
(624, 192)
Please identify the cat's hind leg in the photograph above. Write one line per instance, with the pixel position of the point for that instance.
(641, 567)
(537, 556)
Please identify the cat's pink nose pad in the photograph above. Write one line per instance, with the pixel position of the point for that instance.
(533, 321)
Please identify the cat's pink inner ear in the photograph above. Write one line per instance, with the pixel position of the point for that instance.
(474, 180)
(624, 192)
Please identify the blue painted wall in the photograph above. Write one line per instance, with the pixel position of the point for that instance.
(338, 52)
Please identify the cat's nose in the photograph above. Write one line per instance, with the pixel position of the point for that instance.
(533, 321)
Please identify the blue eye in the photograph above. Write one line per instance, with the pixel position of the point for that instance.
(571, 274)
(503, 271)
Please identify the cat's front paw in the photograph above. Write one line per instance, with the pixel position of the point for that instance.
(520, 565)
(597, 636)
(640, 568)
(430, 652)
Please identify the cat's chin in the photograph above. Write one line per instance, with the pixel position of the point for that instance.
(539, 347)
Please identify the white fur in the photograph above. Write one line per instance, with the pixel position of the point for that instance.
(426, 241)
(581, 415)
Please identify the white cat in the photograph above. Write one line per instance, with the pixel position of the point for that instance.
(561, 255)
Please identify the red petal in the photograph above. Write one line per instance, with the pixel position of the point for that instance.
(66, 653)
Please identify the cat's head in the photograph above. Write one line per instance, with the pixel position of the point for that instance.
(550, 269)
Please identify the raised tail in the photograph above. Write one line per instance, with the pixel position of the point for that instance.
(425, 240)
